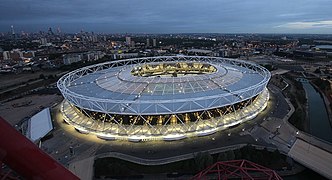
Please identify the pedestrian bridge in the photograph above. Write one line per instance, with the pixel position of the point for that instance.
(314, 154)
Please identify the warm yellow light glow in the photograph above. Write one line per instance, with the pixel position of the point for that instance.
(161, 131)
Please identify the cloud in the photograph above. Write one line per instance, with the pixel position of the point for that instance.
(291, 15)
(307, 25)
(231, 16)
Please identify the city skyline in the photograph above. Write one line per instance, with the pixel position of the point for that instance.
(299, 16)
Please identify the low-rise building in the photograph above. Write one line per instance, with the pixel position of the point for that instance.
(71, 58)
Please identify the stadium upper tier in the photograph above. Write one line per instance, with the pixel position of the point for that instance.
(163, 85)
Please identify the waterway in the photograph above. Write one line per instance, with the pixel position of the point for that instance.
(319, 124)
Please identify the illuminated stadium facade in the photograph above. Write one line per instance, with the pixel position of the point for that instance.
(163, 98)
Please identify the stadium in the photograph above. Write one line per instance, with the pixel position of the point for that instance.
(163, 98)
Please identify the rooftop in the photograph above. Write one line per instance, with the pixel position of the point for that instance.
(232, 82)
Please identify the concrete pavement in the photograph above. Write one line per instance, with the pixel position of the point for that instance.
(312, 157)
(83, 168)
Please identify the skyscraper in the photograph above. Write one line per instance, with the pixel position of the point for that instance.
(154, 42)
(58, 30)
(12, 31)
(50, 32)
(147, 42)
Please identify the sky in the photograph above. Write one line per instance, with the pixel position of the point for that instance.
(168, 16)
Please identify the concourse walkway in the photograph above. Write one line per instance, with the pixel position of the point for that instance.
(312, 157)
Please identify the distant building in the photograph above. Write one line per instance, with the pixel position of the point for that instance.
(71, 58)
(199, 52)
(154, 42)
(13, 32)
(1, 55)
(93, 55)
(147, 42)
(126, 55)
(6, 55)
(28, 54)
(94, 38)
(223, 53)
(43, 41)
(50, 32)
(17, 55)
(58, 30)
(88, 56)
(327, 48)
(128, 41)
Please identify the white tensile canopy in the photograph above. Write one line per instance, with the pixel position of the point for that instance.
(39, 125)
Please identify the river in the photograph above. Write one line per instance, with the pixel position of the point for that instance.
(319, 124)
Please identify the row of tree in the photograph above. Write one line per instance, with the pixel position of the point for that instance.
(113, 167)
(263, 157)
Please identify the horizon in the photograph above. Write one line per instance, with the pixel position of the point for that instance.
(165, 33)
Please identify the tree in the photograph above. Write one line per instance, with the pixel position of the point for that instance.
(247, 152)
(222, 156)
(276, 155)
(230, 155)
(238, 154)
(258, 158)
(202, 160)
(187, 166)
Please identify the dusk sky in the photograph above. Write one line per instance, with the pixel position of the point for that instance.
(168, 16)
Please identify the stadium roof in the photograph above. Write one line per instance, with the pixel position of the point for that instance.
(110, 87)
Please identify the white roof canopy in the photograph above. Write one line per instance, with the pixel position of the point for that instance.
(40, 124)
